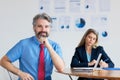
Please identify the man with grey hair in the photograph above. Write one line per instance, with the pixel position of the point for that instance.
(27, 52)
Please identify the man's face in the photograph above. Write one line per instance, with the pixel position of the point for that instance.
(42, 28)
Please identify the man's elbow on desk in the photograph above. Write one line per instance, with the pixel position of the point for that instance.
(60, 69)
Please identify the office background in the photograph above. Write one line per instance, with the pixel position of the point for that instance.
(16, 23)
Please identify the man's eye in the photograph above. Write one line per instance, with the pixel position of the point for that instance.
(46, 26)
(39, 26)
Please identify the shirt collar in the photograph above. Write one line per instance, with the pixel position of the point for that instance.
(36, 40)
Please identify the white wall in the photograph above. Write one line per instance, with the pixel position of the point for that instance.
(16, 23)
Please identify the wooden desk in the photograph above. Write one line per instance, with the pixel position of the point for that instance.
(97, 74)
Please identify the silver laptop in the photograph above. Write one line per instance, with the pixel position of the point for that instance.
(89, 68)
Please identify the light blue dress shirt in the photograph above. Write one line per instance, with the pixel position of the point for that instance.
(27, 52)
(88, 57)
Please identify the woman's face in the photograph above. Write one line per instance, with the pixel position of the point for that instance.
(90, 39)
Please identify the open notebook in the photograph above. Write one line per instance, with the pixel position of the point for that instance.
(89, 68)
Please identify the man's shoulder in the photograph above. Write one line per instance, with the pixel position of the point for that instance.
(53, 43)
(25, 40)
(28, 38)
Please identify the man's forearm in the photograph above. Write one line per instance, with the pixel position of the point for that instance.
(8, 65)
(57, 61)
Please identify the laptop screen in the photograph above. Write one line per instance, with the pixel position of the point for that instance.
(98, 59)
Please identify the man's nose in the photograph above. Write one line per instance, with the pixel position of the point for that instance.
(43, 28)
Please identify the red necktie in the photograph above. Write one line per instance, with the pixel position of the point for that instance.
(41, 65)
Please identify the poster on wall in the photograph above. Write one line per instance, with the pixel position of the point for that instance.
(78, 15)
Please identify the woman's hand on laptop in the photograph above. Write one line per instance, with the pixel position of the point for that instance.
(93, 62)
(103, 64)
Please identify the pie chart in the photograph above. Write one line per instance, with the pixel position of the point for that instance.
(104, 34)
(80, 23)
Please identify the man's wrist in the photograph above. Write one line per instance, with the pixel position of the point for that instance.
(19, 72)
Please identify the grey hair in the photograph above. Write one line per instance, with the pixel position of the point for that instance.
(41, 16)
